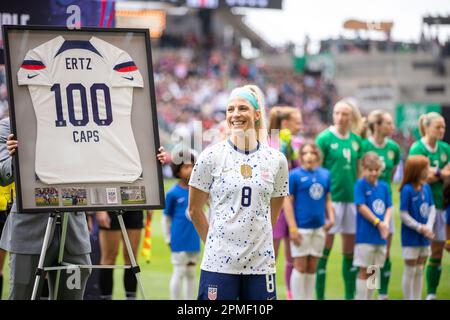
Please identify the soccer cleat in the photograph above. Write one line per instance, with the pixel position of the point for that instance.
(431, 297)
(383, 297)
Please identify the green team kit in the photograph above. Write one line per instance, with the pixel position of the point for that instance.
(389, 153)
(439, 158)
(341, 158)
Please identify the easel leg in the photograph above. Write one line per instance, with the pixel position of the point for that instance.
(134, 267)
(40, 271)
(65, 220)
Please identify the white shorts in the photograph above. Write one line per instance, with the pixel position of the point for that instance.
(439, 228)
(184, 258)
(367, 255)
(313, 242)
(413, 253)
(345, 218)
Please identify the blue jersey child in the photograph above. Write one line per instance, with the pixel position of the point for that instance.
(309, 213)
(417, 212)
(179, 231)
(374, 204)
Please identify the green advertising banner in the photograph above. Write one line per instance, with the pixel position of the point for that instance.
(407, 116)
(299, 64)
(317, 62)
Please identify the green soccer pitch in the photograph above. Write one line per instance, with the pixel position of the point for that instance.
(155, 276)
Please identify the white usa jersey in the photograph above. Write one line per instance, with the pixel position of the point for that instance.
(240, 188)
(82, 94)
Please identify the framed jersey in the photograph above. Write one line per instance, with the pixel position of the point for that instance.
(83, 108)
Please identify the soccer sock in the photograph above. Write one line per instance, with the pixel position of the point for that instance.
(190, 283)
(361, 289)
(106, 283)
(176, 282)
(349, 273)
(418, 283)
(287, 273)
(408, 282)
(297, 284)
(434, 269)
(130, 284)
(1, 286)
(370, 294)
(310, 285)
(385, 276)
(354, 270)
(321, 274)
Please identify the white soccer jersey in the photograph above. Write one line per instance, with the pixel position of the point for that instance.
(240, 187)
(82, 93)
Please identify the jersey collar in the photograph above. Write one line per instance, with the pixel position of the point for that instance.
(372, 141)
(313, 170)
(76, 44)
(247, 152)
(369, 184)
(428, 147)
(334, 131)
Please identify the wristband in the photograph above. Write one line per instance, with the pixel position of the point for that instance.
(376, 222)
(293, 229)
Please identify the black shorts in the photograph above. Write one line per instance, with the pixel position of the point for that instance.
(3, 216)
(131, 219)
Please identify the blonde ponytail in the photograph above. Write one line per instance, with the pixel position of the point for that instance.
(426, 120)
(375, 117)
(260, 126)
(275, 114)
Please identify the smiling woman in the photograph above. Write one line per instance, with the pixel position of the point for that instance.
(245, 182)
(245, 115)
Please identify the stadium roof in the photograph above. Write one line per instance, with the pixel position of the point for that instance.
(215, 4)
(430, 20)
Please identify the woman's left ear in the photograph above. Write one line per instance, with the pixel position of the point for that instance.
(257, 116)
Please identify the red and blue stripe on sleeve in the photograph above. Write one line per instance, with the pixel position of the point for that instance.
(126, 67)
(32, 65)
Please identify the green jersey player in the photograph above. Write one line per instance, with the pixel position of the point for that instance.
(381, 127)
(432, 130)
(341, 150)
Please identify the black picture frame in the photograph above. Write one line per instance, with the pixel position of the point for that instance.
(19, 181)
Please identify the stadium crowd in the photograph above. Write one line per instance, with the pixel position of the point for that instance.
(197, 86)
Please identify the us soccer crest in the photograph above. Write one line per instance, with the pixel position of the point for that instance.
(246, 171)
(212, 292)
